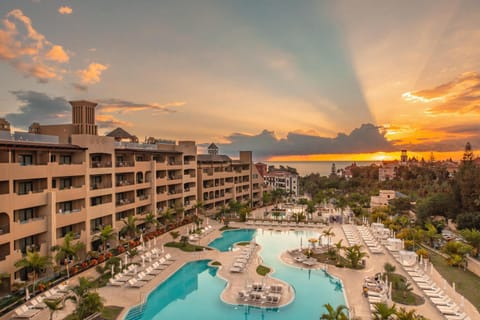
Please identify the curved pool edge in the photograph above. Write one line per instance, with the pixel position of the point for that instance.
(123, 315)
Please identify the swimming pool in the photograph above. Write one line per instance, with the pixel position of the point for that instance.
(193, 292)
(229, 237)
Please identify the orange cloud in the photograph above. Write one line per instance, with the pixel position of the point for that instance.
(109, 121)
(459, 96)
(92, 74)
(27, 50)
(57, 54)
(65, 10)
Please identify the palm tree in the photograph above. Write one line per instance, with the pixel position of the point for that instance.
(179, 212)
(389, 269)
(106, 234)
(334, 314)
(54, 305)
(329, 234)
(130, 226)
(199, 207)
(67, 250)
(383, 311)
(338, 247)
(87, 302)
(354, 254)
(403, 314)
(151, 220)
(35, 262)
(405, 287)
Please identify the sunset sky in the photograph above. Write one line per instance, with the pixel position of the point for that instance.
(291, 80)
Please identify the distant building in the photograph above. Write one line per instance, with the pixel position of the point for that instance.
(262, 168)
(222, 179)
(283, 179)
(347, 171)
(384, 197)
(387, 170)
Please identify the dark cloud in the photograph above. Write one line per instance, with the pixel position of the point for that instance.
(468, 128)
(38, 107)
(79, 87)
(367, 138)
(123, 106)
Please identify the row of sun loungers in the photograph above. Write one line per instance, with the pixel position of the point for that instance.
(242, 259)
(300, 257)
(370, 240)
(36, 304)
(375, 290)
(351, 235)
(130, 278)
(290, 224)
(260, 293)
(437, 296)
(203, 232)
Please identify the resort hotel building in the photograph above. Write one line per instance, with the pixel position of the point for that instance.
(58, 179)
(283, 179)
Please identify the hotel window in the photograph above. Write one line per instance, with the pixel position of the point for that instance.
(66, 159)
(53, 158)
(65, 230)
(24, 215)
(95, 201)
(25, 187)
(65, 183)
(26, 159)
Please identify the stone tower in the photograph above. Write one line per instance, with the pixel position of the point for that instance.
(83, 117)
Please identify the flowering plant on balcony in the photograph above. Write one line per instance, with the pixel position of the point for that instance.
(75, 269)
(121, 249)
(84, 265)
(101, 258)
(93, 262)
(108, 255)
(42, 286)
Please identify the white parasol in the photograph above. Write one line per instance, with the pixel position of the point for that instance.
(113, 271)
(27, 294)
(143, 261)
(126, 260)
(120, 266)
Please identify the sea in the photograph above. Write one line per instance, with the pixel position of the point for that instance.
(324, 168)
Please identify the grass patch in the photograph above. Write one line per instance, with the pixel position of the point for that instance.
(227, 228)
(243, 243)
(216, 263)
(466, 282)
(262, 270)
(108, 313)
(401, 296)
(187, 247)
(341, 263)
(111, 312)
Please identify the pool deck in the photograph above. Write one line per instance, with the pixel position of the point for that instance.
(352, 279)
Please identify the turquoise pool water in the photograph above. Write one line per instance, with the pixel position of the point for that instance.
(229, 237)
(194, 291)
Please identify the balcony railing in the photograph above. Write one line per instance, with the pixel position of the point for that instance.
(101, 164)
(124, 164)
(22, 193)
(4, 228)
(60, 211)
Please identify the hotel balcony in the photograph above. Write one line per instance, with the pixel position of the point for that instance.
(66, 218)
(30, 227)
(65, 170)
(34, 198)
(71, 193)
(99, 210)
(7, 262)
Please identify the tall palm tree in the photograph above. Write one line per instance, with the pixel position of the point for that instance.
(35, 262)
(199, 207)
(130, 226)
(383, 311)
(106, 234)
(329, 234)
(354, 254)
(403, 314)
(87, 302)
(179, 212)
(389, 269)
(54, 305)
(67, 250)
(334, 314)
(151, 220)
(338, 248)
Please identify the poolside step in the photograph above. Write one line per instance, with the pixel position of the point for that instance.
(135, 313)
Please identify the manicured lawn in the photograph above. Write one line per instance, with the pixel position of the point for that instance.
(111, 312)
(227, 228)
(245, 243)
(188, 247)
(404, 297)
(466, 283)
(216, 263)
(262, 270)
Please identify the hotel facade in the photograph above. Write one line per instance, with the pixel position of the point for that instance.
(66, 178)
